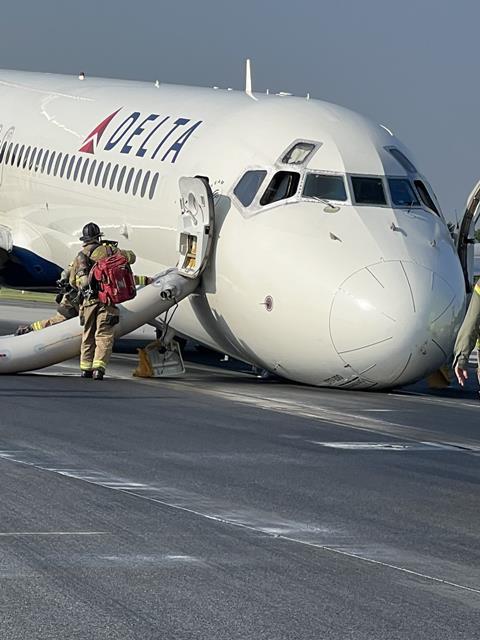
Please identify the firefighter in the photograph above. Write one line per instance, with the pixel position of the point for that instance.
(97, 318)
(467, 337)
(68, 306)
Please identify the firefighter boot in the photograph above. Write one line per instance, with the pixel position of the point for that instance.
(98, 374)
(22, 330)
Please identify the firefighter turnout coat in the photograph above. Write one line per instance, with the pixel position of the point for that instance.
(98, 319)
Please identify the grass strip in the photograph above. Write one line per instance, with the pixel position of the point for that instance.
(27, 296)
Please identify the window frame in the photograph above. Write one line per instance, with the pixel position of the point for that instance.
(20, 156)
(136, 182)
(63, 168)
(58, 162)
(328, 174)
(51, 162)
(2, 151)
(121, 178)
(70, 166)
(153, 186)
(145, 181)
(128, 180)
(45, 159)
(31, 160)
(105, 175)
(78, 169)
(91, 171)
(424, 205)
(38, 160)
(13, 157)
(113, 177)
(84, 171)
(410, 180)
(287, 198)
(316, 146)
(11, 146)
(258, 191)
(386, 191)
(98, 173)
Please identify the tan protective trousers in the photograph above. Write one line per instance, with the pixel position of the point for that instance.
(49, 322)
(97, 339)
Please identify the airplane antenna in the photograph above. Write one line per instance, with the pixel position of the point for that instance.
(248, 79)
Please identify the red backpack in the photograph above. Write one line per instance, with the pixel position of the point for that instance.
(114, 279)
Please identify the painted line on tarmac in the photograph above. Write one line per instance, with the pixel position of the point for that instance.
(397, 447)
(396, 568)
(9, 534)
(277, 532)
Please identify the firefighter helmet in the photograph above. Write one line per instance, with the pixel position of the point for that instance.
(90, 231)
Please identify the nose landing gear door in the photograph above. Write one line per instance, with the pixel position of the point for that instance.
(465, 240)
(195, 225)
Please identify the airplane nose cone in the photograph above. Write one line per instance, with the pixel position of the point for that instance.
(394, 322)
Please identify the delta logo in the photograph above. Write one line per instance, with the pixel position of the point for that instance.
(153, 137)
(91, 142)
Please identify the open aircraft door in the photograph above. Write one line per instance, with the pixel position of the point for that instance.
(465, 240)
(163, 357)
(197, 215)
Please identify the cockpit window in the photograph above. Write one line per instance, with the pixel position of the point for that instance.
(368, 190)
(299, 153)
(402, 160)
(402, 193)
(425, 196)
(318, 185)
(283, 185)
(248, 186)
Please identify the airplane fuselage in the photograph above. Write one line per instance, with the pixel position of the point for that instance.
(324, 269)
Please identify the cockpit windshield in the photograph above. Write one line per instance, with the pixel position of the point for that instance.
(368, 190)
(425, 196)
(283, 185)
(402, 193)
(248, 185)
(323, 186)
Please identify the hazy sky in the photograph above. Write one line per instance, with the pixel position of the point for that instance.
(411, 65)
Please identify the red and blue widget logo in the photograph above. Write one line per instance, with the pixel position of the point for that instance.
(91, 141)
(137, 135)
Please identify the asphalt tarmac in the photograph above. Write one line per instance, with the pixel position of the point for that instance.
(220, 505)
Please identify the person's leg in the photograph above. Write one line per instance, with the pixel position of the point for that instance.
(88, 318)
(107, 318)
(40, 324)
(49, 322)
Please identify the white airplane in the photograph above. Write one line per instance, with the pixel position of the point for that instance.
(331, 261)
